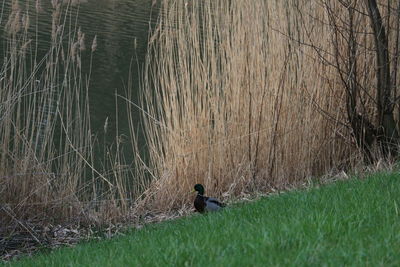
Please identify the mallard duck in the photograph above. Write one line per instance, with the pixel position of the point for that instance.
(203, 203)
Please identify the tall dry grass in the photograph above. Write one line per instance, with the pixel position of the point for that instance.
(44, 128)
(47, 161)
(244, 96)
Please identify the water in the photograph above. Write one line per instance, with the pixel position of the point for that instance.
(122, 29)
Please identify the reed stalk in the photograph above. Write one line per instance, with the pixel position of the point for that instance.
(245, 96)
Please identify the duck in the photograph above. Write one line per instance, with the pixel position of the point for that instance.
(204, 204)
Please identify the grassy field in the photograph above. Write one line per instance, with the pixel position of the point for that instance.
(353, 222)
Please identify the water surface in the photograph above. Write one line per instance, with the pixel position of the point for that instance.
(122, 29)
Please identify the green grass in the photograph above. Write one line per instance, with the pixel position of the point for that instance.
(355, 222)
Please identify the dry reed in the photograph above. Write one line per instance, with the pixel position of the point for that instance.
(244, 96)
(47, 169)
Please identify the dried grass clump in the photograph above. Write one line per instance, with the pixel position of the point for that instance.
(47, 172)
(38, 175)
(235, 100)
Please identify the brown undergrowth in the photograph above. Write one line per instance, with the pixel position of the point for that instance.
(47, 171)
(236, 100)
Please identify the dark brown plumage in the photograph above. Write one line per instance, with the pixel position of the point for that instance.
(203, 203)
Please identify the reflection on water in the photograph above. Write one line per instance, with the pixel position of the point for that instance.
(122, 28)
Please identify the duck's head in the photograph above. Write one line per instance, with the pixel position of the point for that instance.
(199, 188)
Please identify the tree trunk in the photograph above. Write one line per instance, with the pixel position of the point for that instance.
(388, 135)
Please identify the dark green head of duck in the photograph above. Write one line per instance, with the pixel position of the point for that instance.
(199, 188)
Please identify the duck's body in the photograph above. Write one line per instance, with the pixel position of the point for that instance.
(203, 203)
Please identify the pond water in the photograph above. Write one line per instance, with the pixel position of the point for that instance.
(122, 28)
